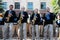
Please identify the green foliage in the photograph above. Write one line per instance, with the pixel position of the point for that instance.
(59, 2)
(55, 5)
(1, 8)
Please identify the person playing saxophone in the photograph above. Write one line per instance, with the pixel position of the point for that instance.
(57, 24)
(9, 20)
(35, 19)
(23, 23)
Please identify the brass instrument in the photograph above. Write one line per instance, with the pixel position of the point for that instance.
(28, 21)
(9, 15)
(20, 19)
(8, 18)
(34, 19)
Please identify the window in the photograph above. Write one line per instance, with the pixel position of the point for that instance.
(0, 0)
(43, 5)
(17, 5)
(30, 5)
(0, 3)
(4, 4)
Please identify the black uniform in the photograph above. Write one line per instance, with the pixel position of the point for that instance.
(1, 19)
(48, 25)
(49, 18)
(13, 18)
(41, 20)
(24, 20)
(37, 21)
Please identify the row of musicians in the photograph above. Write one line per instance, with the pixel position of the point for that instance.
(35, 19)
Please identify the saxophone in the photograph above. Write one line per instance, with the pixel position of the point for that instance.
(28, 21)
(9, 15)
(8, 18)
(34, 19)
(20, 19)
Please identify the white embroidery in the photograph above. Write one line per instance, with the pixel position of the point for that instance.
(58, 21)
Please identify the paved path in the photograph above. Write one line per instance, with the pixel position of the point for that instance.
(27, 39)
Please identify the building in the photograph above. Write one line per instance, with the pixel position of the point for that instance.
(28, 4)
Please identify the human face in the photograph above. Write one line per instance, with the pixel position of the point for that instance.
(23, 8)
(11, 7)
(36, 11)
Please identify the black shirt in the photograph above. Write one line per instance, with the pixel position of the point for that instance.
(12, 18)
(49, 18)
(37, 21)
(24, 20)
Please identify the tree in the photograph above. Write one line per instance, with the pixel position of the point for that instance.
(59, 2)
(56, 5)
(1, 8)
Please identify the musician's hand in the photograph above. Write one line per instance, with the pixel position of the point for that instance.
(7, 18)
(43, 20)
(9, 15)
(18, 21)
(23, 15)
(32, 20)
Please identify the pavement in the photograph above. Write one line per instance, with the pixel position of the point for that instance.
(30, 39)
(23, 39)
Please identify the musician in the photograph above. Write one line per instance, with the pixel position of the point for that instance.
(15, 24)
(2, 24)
(23, 32)
(48, 24)
(41, 24)
(9, 20)
(29, 23)
(35, 19)
(58, 24)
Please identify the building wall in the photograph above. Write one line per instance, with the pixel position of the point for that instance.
(36, 3)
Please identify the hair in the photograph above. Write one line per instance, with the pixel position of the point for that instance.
(11, 5)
